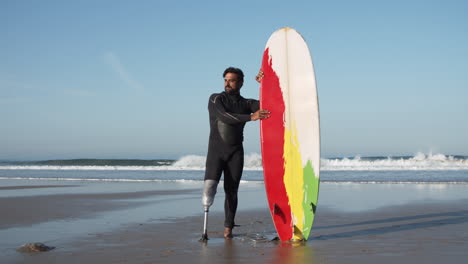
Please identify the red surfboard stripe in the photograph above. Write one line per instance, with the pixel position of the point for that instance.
(272, 135)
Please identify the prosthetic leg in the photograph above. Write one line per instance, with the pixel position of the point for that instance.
(209, 192)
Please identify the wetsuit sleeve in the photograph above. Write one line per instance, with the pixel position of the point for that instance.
(216, 107)
(254, 105)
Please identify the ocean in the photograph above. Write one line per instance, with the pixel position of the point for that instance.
(420, 168)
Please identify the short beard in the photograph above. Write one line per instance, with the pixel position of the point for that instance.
(232, 91)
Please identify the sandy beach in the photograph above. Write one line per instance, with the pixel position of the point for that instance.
(101, 223)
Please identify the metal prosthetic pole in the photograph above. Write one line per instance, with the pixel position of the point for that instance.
(205, 227)
(209, 192)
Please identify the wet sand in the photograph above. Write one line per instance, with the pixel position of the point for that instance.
(31, 210)
(431, 231)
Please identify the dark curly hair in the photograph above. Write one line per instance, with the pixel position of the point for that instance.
(237, 71)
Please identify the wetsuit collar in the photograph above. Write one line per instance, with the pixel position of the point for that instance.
(233, 97)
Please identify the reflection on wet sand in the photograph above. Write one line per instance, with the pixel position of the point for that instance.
(293, 252)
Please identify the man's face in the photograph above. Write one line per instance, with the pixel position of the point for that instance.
(232, 84)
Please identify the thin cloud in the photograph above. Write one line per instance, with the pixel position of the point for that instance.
(113, 60)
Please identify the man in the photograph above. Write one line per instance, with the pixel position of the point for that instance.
(228, 112)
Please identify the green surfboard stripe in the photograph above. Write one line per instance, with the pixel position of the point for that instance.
(310, 198)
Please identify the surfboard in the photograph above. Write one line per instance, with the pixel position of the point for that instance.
(290, 137)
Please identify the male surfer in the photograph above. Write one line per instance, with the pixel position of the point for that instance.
(228, 112)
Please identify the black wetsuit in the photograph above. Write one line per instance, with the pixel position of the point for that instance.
(228, 115)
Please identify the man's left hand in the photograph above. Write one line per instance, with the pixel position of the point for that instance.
(260, 114)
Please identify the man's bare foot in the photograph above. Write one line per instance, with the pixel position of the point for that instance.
(228, 233)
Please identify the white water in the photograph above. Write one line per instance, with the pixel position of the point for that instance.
(253, 162)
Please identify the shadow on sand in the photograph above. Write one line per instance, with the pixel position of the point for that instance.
(448, 218)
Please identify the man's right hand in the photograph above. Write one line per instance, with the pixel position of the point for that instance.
(259, 76)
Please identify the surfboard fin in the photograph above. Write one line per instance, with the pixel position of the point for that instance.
(277, 212)
(313, 207)
(297, 234)
(276, 209)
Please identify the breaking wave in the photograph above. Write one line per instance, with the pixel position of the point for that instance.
(253, 162)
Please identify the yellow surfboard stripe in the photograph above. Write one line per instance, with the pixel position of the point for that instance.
(294, 180)
(301, 185)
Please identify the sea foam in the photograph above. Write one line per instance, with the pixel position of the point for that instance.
(253, 162)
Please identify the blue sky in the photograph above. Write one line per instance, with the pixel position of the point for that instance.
(131, 79)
